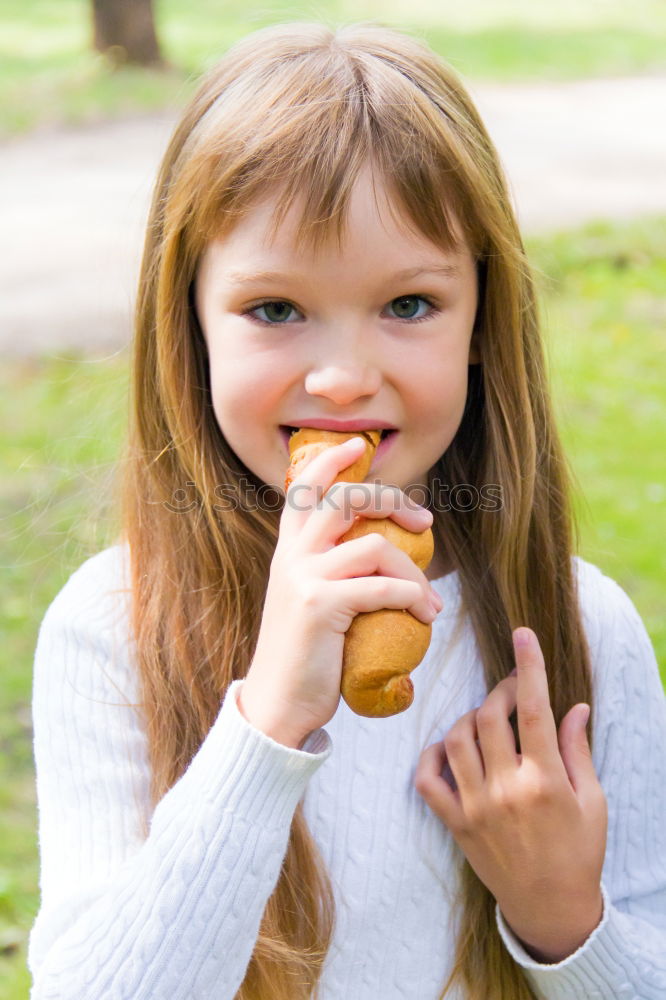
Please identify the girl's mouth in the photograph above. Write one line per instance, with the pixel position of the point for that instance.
(285, 434)
(386, 440)
(388, 437)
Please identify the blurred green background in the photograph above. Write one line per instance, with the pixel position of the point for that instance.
(49, 73)
(63, 417)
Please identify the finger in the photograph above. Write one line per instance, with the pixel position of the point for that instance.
(315, 479)
(371, 593)
(435, 789)
(373, 554)
(496, 740)
(464, 755)
(337, 510)
(536, 723)
(575, 748)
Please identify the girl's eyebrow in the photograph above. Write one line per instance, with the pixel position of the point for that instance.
(255, 277)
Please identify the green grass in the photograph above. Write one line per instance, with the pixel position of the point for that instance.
(61, 425)
(605, 315)
(50, 75)
(603, 309)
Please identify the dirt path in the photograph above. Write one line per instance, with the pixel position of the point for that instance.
(73, 203)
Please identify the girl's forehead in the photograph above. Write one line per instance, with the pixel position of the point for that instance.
(373, 215)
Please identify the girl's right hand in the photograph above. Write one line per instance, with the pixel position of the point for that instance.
(316, 588)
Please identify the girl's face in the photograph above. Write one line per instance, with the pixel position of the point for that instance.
(340, 336)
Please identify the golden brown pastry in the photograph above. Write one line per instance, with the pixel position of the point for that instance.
(381, 647)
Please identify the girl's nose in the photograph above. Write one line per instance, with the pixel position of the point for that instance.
(343, 383)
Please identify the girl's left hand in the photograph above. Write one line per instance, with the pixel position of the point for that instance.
(533, 824)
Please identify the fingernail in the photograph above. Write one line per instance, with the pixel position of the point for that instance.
(521, 637)
(436, 599)
(353, 443)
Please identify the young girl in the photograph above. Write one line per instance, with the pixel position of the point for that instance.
(331, 243)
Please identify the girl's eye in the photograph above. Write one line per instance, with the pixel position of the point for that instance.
(276, 312)
(407, 307)
(279, 313)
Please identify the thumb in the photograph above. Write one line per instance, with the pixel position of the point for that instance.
(574, 745)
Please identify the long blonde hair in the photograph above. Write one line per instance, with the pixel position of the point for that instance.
(303, 107)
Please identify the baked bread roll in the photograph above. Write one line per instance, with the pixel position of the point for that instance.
(381, 647)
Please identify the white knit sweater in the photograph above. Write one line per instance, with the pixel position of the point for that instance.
(167, 906)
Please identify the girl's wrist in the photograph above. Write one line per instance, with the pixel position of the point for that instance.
(556, 945)
(265, 722)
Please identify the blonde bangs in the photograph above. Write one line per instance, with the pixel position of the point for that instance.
(302, 126)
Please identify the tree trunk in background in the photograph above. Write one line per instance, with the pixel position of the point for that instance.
(125, 31)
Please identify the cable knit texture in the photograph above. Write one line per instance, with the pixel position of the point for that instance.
(167, 906)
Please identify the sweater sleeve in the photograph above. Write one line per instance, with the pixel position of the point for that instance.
(625, 956)
(133, 905)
